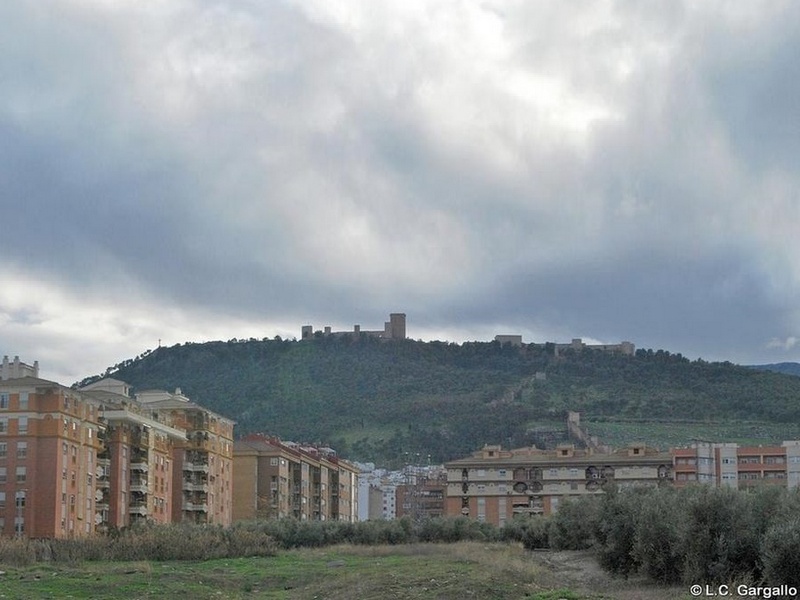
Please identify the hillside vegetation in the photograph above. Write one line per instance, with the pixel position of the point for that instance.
(383, 401)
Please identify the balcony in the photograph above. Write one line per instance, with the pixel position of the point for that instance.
(141, 439)
(138, 485)
(138, 508)
(103, 462)
(195, 467)
(102, 483)
(195, 486)
(527, 510)
(139, 464)
(194, 506)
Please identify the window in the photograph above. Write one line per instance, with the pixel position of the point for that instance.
(3, 400)
(22, 474)
(3, 475)
(22, 424)
(23, 400)
(19, 499)
(3, 425)
(2, 500)
(3, 449)
(22, 449)
(273, 462)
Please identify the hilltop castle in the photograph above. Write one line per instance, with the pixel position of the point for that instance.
(393, 329)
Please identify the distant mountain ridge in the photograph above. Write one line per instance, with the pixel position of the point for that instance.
(787, 368)
(382, 400)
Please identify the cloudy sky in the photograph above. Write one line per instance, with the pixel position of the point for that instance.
(182, 170)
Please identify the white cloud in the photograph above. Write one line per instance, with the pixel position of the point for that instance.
(783, 344)
(497, 163)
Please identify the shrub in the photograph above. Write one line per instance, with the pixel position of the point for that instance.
(722, 541)
(572, 527)
(780, 552)
(533, 532)
(615, 531)
(658, 539)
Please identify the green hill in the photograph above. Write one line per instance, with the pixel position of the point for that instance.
(378, 400)
(788, 368)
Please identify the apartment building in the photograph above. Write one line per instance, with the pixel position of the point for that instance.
(423, 498)
(50, 440)
(78, 462)
(275, 479)
(202, 473)
(494, 485)
(16, 369)
(135, 467)
(739, 467)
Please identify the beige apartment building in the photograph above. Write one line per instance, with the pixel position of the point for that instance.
(79, 462)
(494, 485)
(275, 479)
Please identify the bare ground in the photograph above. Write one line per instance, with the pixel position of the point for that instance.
(579, 571)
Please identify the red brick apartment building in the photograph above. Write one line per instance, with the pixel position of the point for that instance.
(277, 479)
(737, 466)
(78, 462)
(423, 497)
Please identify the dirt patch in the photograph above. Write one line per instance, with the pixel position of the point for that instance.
(580, 571)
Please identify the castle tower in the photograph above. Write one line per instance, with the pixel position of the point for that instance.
(397, 326)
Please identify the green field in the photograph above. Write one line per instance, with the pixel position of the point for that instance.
(667, 435)
(442, 571)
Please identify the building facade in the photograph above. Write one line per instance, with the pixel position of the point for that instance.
(494, 485)
(79, 462)
(135, 467)
(277, 479)
(202, 475)
(423, 497)
(16, 369)
(739, 467)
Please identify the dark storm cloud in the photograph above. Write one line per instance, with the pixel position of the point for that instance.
(610, 170)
